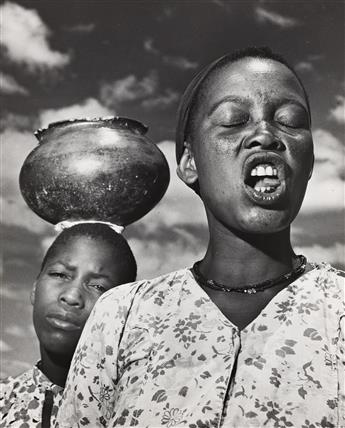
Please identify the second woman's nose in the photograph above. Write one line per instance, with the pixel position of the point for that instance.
(72, 295)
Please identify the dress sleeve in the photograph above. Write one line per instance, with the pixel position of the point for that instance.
(341, 373)
(90, 391)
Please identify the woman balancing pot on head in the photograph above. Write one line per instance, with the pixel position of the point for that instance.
(86, 175)
(252, 335)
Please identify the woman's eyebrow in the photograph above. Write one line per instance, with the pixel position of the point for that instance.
(227, 99)
(99, 275)
(242, 100)
(65, 265)
(290, 101)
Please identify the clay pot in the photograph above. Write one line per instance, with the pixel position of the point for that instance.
(99, 169)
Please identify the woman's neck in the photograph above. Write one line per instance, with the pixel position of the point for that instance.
(55, 367)
(240, 259)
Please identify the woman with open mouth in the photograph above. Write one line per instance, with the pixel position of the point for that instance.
(252, 335)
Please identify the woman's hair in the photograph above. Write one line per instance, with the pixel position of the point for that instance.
(124, 260)
(192, 94)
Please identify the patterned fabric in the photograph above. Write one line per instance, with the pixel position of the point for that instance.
(160, 353)
(22, 399)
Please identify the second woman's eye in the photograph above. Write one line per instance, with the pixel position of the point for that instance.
(99, 287)
(56, 274)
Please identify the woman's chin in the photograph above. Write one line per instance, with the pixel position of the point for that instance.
(265, 222)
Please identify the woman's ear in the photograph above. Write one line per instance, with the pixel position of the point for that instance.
(33, 293)
(186, 169)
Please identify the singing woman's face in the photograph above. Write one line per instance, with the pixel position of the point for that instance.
(252, 145)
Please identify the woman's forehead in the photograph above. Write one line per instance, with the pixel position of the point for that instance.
(252, 74)
(80, 243)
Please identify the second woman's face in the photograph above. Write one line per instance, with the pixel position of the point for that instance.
(69, 285)
(252, 146)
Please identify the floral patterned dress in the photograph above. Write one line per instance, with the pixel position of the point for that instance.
(23, 398)
(160, 353)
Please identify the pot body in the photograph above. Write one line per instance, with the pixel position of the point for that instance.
(101, 169)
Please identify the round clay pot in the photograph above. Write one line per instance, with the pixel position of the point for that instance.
(94, 169)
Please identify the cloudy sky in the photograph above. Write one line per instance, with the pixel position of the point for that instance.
(65, 59)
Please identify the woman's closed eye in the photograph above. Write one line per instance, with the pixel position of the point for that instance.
(296, 118)
(229, 115)
(234, 120)
(233, 124)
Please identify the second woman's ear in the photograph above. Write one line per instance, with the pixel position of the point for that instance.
(33, 292)
(186, 169)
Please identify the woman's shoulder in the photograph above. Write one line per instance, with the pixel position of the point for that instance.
(126, 293)
(329, 283)
(329, 272)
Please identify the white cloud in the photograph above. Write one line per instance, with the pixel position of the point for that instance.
(162, 100)
(6, 292)
(317, 253)
(157, 258)
(148, 46)
(90, 108)
(4, 347)
(129, 88)
(15, 146)
(8, 85)
(180, 62)
(264, 16)
(82, 28)
(304, 66)
(326, 187)
(220, 3)
(338, 112)
(19, 122)
(13, 367)
(16, 330)
(175, 61)
(16, 213)
(25, 38)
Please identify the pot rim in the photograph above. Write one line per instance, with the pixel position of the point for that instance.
(124, 122)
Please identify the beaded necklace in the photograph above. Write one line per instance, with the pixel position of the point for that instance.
(252, 288)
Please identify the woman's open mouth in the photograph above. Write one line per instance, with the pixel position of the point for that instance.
(265, 178)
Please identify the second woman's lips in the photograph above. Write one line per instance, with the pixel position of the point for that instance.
(63, 321)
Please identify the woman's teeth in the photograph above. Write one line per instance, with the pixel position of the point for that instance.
(264, 178)
(262, 189)
(262, 170)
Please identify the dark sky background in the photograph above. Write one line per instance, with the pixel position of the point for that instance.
(65, 59)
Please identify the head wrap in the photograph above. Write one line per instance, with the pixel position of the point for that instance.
(186, 104)
(59, 227)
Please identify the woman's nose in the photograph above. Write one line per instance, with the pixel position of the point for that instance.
(264, 136)
(72, 295)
